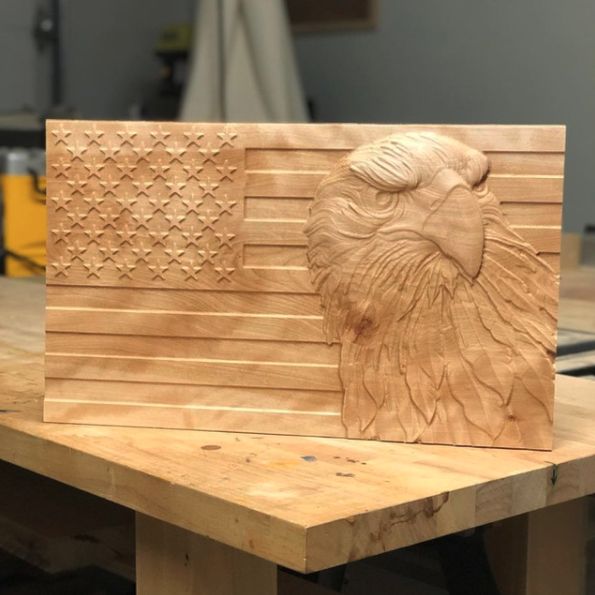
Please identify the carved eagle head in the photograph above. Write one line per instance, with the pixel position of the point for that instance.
(425, 285)
(428, 182)
(407, 203)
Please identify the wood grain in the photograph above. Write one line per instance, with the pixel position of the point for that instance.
(521, 550)
(171, 560)
(179, 282)
(304, 503)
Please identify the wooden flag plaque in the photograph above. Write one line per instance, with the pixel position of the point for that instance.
(364, 281)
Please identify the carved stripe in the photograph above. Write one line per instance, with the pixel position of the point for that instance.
(154, 323)
(296, 209)
(172, 417)
(340, 137)
(194, 371)
(542, 189)
(189, 348)
(182, 300)
(321, 160)
(289, 233)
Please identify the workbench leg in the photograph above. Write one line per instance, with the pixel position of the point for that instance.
(541, 553)
(170, 560)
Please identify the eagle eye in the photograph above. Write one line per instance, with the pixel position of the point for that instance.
(482, 187)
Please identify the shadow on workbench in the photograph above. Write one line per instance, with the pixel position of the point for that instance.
(19, 578)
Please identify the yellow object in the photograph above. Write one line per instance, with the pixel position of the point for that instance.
(24, 212)
(175, 39)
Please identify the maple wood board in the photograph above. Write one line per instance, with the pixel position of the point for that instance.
(303, 503)
(195, 280)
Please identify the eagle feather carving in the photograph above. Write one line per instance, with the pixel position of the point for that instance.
(445, 315)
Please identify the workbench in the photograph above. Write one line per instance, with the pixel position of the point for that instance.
(219, 512)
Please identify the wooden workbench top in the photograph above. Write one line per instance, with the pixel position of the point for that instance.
(305, 503)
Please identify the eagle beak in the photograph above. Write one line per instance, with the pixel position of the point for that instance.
(454, 223)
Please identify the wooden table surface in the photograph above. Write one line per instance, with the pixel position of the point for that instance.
(304, 503)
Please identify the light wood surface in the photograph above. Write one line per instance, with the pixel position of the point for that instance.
(305, 503)
(172, 560)
(541, 553)
(189, 286)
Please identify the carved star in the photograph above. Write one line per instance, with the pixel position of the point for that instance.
(109, 185)
(94, 234)
(94, 167)
(143, 187)
(77, 250)
(109, 218)
(93, 267)
(61, 267)
(207, 255)
(160, 136)
(193, 137)
(126, 235)
(225, 238)
(126, 201)
(94, 201)
(176, 152)
(109, 252)
(110, 152)
(158, 270)
(225, 205)
(126, 269)
(160, 169)
(77, 150)
(94, 135)
(226, 138)
(142, 151)
(141, 252)
(192, 204)
(193, 171)
(159, 203)
(191, 270)
(174, 254)
(61, 233)
(61, 167)
(78, 185)
(126, 135)
(127, 167)
(159, 237)
(142, 219)
(77, 217)
(175, 221)
(60, 201)
(208, 188)
(192, 237)
(208, 220)
(61, 135)
(226, 171)
(224, 272)
(175, 188)
(209, 153)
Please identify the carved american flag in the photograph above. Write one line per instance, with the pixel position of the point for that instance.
(178, 289)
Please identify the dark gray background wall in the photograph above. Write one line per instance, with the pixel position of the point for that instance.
(464, 61)
(18, 59)
(108, 53)
(109, 50)
(460, 61)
